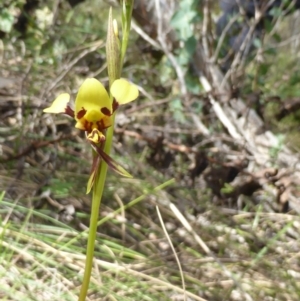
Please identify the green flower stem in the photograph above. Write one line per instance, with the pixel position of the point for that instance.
(114, 64)
(102, 221)
(96, 201)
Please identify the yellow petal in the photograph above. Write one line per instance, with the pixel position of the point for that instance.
(93, 115)
(79, 125)
(123, 91)
(59, 105)
(92, 96)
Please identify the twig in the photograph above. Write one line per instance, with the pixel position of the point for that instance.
(174, 252)
(219, 111)
(205, 248)
(68, 67)
(179, 72)
(144, 35)
(222, 38)
(34, 146)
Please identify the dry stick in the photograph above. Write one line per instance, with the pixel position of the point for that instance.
(284, 13)
(239, 59)
(173, 250)
(148, 104)
(206, 249)
(252, 145)
(121, 205)
(35, 146)
(162, 40)
(1, 51)
(68, 67)
(283, 43)
(69, 258)
(30, 257)
(19, 110)
(144, 35)
(111, 266)
(205, 27)
(221, 39)
(162, 46)
(219, 110)
(180, 76)
(179, 72)
(200, 126)
(216, 106)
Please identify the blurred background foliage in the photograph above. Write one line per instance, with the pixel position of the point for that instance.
(240, 212)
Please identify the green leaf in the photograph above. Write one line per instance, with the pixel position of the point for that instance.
(227, 189)
(177, 109)
(277, 37)
(190, 45)
(257, 43)
(6, 21)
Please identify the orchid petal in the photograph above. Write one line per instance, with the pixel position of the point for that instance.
(114, 165)
(59, 105)
(92, 97)
(91, 182)
(92, 177)
(123, 91)
(79, 126)
(96, 136)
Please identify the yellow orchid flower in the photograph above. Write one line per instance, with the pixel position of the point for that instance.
(93, 108)
(93, 114)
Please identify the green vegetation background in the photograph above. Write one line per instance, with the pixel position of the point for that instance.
(253, 253)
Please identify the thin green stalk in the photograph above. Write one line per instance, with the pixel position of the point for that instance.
(114, 65)
(105, 219)
(96, 201)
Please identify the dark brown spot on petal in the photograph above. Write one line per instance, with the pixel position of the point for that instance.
(69, 111)
(106, 111)
(104, 123)
(88, 125)
(81, 113)
(115, 105)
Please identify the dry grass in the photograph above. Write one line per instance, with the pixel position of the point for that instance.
(227, 255)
